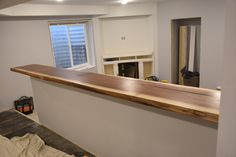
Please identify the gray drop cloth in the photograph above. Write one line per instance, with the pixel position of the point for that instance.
(28, 146)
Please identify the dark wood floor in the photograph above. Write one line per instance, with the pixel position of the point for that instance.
(14, 124)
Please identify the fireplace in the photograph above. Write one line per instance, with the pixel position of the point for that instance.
(128, 69)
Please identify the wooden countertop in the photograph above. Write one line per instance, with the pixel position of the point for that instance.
(199, 103)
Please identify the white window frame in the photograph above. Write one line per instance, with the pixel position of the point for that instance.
(88, 35)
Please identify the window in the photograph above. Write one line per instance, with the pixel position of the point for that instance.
(70, 45)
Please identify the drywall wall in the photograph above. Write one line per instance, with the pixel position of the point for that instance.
(130, 18)
(227, 126)
(212, 36)
(126, 35)
(25, 39)
(22, 42)
(111, 127)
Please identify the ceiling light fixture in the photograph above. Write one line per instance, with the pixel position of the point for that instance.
(60, 0)
(124, 2)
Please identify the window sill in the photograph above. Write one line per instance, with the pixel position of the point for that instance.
(81, 68)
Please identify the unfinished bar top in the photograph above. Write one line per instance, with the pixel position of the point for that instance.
(200, 103)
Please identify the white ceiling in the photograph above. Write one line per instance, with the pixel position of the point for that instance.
(88, 2)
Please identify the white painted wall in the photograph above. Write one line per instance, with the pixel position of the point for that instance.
(227, 125)
(21, 43)
(27, 40)
(127, 16)
(111, 127)
(136, 31)
(212, 36)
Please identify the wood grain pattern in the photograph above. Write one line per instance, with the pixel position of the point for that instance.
(14, 124)
(199, 103)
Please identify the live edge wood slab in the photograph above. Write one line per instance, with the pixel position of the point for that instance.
(196, 102)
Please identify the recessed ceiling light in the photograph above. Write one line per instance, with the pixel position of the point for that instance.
(124, 2)
(60, 0)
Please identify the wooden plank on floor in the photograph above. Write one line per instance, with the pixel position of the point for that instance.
(183, 44)
(192, 48)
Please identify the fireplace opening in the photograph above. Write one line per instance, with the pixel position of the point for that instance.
(129, 69)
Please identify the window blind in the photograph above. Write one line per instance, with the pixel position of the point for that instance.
(69, 44)
(78, 44)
